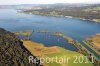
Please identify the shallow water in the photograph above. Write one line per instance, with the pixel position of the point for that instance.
(51, 40)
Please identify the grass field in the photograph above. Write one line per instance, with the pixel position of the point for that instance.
(54, 52)
(26, 33)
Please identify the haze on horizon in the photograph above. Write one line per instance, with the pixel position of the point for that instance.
(14, 2)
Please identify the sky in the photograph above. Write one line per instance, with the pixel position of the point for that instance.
(10, 2)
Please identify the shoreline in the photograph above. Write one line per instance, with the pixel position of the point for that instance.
(93, 20)
(77, 44)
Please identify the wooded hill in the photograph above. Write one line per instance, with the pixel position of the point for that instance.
(12, 51)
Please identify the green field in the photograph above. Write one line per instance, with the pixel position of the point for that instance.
(49, 53)
(70, 54)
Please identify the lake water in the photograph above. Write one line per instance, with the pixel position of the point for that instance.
(75, 28)
(52, 40)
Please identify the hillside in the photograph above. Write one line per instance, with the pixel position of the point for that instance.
(12, 51)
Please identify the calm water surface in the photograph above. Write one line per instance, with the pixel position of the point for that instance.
(51, 40)
(75, 28)
(72, 27)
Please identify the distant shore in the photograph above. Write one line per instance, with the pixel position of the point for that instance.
(94, 20)
(55, 14)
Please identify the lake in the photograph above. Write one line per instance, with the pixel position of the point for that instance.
(52, 40)
(75, 28)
